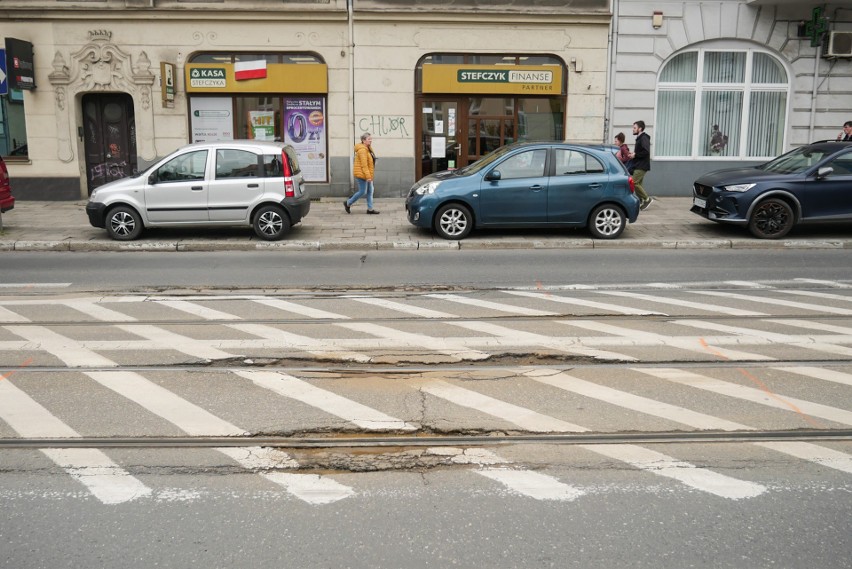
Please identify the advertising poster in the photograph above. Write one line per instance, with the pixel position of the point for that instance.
(304, 129)
(212, 119)
(262, 125)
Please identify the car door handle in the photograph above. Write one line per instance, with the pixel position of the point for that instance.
(197, 188)
(594, 186)
(535, 187)
(254, 185)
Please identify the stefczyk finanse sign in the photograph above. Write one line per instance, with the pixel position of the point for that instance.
(503, 76)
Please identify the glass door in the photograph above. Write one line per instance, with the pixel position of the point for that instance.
(440, 147)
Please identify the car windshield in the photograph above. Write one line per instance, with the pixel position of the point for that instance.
(796, 161)
(484, 161)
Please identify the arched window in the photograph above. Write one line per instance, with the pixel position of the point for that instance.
(721, 102)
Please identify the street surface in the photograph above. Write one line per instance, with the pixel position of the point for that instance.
(658, 424)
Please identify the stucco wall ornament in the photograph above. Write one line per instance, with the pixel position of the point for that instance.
(102, 66)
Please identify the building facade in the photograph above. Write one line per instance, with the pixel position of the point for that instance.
(728, 83)
(121, 83)
(117, 84)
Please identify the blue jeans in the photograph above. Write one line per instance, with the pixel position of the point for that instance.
(364, 187)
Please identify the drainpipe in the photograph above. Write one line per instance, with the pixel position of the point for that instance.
(351, 17)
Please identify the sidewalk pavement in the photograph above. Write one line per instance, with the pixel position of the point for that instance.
(667, 224)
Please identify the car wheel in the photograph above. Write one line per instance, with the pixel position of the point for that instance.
(123, 223)
(453, 221)
(271, 223)
(607, 221)
(773, 218)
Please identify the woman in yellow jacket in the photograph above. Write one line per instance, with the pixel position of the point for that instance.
(364, 168)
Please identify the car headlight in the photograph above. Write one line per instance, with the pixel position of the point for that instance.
(427, 188)
(738, 187)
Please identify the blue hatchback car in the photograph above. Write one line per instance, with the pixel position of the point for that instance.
(529, 184)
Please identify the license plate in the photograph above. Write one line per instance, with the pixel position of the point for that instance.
(699, 202)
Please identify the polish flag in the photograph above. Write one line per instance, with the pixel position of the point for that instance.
(250, 70)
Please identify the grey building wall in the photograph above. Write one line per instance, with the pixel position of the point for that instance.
(816, 108)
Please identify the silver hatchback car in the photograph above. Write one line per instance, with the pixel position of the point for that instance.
(236, 183)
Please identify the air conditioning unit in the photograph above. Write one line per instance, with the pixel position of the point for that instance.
(839, 44)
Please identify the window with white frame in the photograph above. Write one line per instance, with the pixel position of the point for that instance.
(721, 102)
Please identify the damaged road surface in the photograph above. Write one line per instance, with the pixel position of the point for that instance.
(504, 427)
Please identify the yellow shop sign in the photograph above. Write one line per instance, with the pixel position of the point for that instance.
(219, 78)
(497, 79)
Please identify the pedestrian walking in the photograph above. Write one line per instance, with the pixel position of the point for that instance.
(641, 157)
(623, 153)
(364, 169)
(846, 133)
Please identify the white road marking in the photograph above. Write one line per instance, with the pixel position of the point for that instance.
(34, 285)
(823, 295)
(820, 373)
(633, 402)
(348, 410)
(746, 284)
(311, 488)
(323, 348)
(715, 308)
(780, 302)
(644, 338)
(198, 310)
(527, 419)
(195, 421)
(7, 315)
(89, 307)
(299, 309)
(750, 394)
(400, 307)
(520, 481)
(834, 284)
(398, 338)
(684, 472)
(71, 352)
(108, 482)
(517, 338)
(187, 416)
(819, 344)
(807, 325)
(170, 341)
(587, 303)
(492, 305)
(532, 484)
(813, 453)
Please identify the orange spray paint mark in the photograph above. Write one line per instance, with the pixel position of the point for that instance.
(763, 387)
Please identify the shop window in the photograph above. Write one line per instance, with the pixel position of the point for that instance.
(541, 119)
(13, 126)
(271, 107)
(721, 102)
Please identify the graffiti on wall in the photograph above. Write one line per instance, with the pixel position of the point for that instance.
(387, 126)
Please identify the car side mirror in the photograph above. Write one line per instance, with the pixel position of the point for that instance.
(152, 178)
(824, 172)
(493, 176)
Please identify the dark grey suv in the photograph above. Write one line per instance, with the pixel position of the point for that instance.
(809, 184)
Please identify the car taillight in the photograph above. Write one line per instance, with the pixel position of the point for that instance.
(289, 189)
(631, 184)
